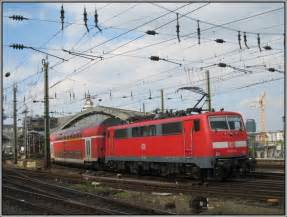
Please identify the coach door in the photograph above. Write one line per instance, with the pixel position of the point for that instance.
(111, 142)
(88, 142)
(187, 133)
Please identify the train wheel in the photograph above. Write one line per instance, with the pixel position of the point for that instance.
(221, 174)
(196, 173)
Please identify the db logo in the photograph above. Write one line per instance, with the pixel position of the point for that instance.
(231, 144)
(143, 146)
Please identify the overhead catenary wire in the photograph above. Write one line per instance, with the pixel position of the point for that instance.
(85, 66)
(213, 25)
(209, 28)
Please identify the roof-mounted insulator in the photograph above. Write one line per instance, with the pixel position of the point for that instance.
(62, 12)
(110, 94)
(131, 94)
(198, 32)
(97, 21)
(177, 27)
(74, 95)
(86, 19)
(239, 39)
(181, 96)
(55, 95)
(245, 40)
(267, 47)
(151, 32)
(258, 42)
(219, 40)
(18, 17)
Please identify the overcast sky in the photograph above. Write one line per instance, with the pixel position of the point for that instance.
(126, 77)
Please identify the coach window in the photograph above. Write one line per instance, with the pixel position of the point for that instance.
(121, 133)
(171, 128)
(135, 132)
(197, 125)
(152, 130)
(145, 131)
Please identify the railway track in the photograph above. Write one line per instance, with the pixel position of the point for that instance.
(256, 187)
(56, 199)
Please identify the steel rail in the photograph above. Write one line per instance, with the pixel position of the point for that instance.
(109, 201)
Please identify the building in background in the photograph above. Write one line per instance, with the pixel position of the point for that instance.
(7, 139)
(272, 148)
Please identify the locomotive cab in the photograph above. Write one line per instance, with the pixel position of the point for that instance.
(228, 140)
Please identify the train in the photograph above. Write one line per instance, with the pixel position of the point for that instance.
(209, 144)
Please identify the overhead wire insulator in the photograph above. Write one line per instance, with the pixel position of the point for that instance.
(177, 27)
(222, 65)
(97, 21)
(198, 32)
(151, 32)
(267, 47)
(154, 58)
(239, 39)
(86, 19)
(18, 17)
(245, 40)
(258, 42)
(271, 69)
(62, 12)
(149, 95)
(219, 40)
(17, 46)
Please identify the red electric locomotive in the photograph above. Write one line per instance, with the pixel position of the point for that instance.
(211, 143)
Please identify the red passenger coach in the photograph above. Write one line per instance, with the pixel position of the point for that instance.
(83, 144)
(213, 142)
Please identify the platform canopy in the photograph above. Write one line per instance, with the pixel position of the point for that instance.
(98, 114)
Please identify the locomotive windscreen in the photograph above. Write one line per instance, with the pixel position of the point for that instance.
(229, 122)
